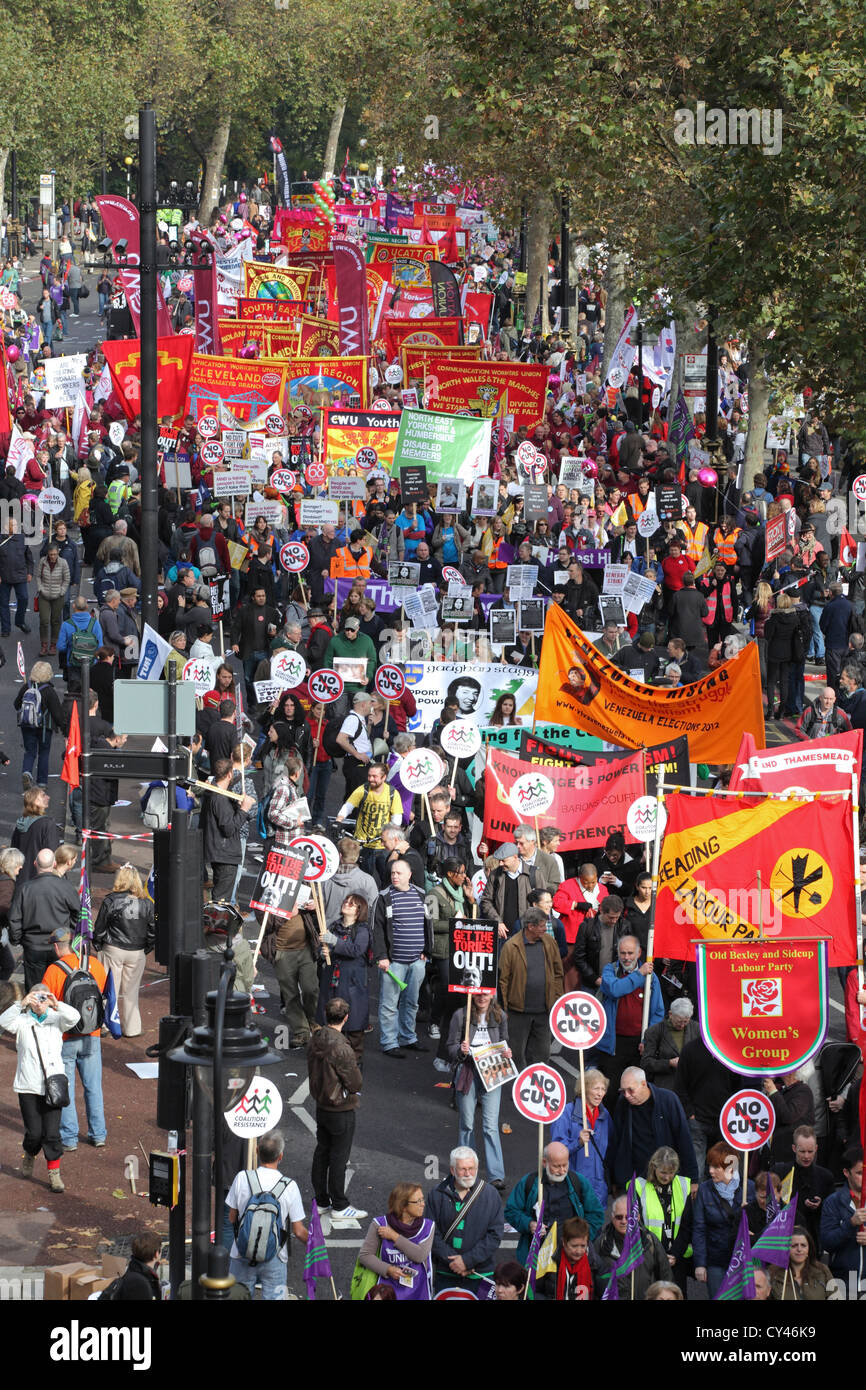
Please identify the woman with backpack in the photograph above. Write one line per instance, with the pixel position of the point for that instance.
(347, 975)
(123, 936)
(39, 714)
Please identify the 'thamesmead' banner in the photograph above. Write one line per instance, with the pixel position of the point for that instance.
(819, 765)
(476, 689)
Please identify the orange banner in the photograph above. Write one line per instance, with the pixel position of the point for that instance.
(455, 386)
(579, 687)
(419, 360)
(265, 281)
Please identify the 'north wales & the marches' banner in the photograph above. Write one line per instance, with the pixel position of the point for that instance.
(449, 446)
(714, 849)
(481, 387)
(818, 765)
(419, 362)
(762, 1005)
(577, 685)
(591, 800)
(265, 281)
(359, 440)
(241, 393)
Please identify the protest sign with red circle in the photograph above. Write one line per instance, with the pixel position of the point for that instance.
(294, 556)
(212, 453)
(858, 487)
(526, 452)
(455, 1295)
(324, 861)
(421, 770)
(747, 1120)
(390, 682)
(577, 1020)
(325, 686)
(381, 404)
(451, 575)
(274, 423)
(367, 457)
(316, 473)
(283, 479)
(201, 671)
(208, 427)
(539, 1093)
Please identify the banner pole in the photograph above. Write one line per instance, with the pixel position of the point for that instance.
(745, 1175)
(260, 940)
(426, 799)
(760, 909)
(320, 913)
(583, 1100)
(468, 1018)
(855, 813)
(660, 793)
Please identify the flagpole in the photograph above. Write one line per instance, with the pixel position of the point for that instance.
(657, 840)
(858, 911)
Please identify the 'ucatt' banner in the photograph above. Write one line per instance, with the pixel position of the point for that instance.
(577, 685)
(730, 870)
(590, 800)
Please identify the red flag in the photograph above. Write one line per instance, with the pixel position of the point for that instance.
(173, 362)
(69, 772)
(816, 765)
(449, 251)
(847, 548)
(121, 221)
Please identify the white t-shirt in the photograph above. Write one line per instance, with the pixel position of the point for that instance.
(291, 1205)
(358, 735)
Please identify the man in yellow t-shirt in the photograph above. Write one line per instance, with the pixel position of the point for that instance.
(377, 805)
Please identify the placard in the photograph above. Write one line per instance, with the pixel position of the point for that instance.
(459, 609)
(351, 669)
(450, 495)
(347, 489)
(502, 626)
(461, 738)
(413, 484)
(485, 497)
(325, 686)
(232, 482)
(64, 380)
(669, 501)
(747, 1120)
(319, 511)
(539, 1094)
(421, 770)
(272, 511)
(611, 609)
(279, 882)
(294, 557)
(201, 670)
(494, 1067)
(289, 667)
(473, 956)
(389, 682)
(323, 861)
(267, 692)
(577, 1020)
(535, 502)
(530, 615)
(404, 573)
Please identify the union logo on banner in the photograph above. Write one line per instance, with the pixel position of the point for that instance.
(762, 1004)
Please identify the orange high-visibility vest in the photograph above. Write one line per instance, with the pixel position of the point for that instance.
(695, 540)
(724, 545)
(494, 563)
(345, 566)
(712, 603)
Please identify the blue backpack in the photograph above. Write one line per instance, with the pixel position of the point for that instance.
(31, 714)
(260, 1230)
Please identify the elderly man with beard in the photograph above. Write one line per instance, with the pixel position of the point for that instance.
(564, 1193)
(467, 1213)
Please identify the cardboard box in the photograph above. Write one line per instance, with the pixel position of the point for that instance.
(57, 1280)
(81, 1286)
(113, 1266)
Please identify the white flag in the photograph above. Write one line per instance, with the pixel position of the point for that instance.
(623, 353)
(103, 386)
(154, 652)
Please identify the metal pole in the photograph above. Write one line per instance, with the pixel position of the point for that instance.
(175, 895)
(172, 740)
(226, 984)
(147, 462)
(657, 842)
(639, 375)
(202, 1142)
(85, 761)
(711, 405)
(564, 254)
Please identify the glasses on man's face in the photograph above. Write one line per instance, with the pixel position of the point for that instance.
(620, 1216)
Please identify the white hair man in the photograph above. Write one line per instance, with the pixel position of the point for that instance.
(467, 1213)
(647, 1118)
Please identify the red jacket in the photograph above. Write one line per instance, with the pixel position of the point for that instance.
(401, 711)
(853, 1028)
(674, 569)
(570, 892)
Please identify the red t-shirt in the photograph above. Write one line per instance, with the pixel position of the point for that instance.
(629, 1014)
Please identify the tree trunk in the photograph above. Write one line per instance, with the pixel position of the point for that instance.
(214, 158)
(537, 243)
(330, 159)
(615, 308)
(4, 156)
(759, 415)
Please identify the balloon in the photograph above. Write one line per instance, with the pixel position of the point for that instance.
(590, 469)
(708, 477)
(13, 352)
(249, 349)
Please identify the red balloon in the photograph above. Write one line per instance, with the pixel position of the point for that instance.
(708, 477)
(13, 352)
(590, 469)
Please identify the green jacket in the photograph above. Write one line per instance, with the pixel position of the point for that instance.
(359, 646)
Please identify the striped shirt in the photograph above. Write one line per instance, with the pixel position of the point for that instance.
(407, 925)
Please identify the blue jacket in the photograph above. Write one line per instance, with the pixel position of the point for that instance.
(76, 622)
(670, 1130)
(520, 1208)
(715, 1225)
(839, 1237)
(836, 622)
(566, 1131)
(613, 987)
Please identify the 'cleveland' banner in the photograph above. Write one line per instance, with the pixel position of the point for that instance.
(473, 955)
(577, 685)
(714, 848)
(590, 800)
(819, 765)
(762, 1005)
(240, 393)
(173, 361)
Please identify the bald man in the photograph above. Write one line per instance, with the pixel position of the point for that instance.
(40, 906)
(565, 1194)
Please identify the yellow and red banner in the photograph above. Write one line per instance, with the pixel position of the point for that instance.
(358, 440)
(730, 869)
(432, 331)
(173, 361)
(270, 310)
(817, 765)
(419, 361)
(322, 382)
(401, 265)
(481, 387)
(265, 281)
(318, 337)
(240, 393)
(271, 339)
(302, 240)
(580, 687)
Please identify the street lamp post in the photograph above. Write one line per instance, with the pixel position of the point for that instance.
(148, 280)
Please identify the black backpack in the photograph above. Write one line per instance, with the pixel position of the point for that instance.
(81, 992)
(329, 737)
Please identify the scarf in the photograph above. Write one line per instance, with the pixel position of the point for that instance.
(728, 1190)
(408, 1229)
(567, 1274)
(591, 896)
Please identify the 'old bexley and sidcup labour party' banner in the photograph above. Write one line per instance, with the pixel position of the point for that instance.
(714, 848)
(454, 385)
(591, 800)
(577, 685)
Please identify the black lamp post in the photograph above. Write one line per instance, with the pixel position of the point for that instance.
(226, 1054)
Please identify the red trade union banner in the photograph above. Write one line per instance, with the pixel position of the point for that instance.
(322, 382)
(418, 361)
(353, 316)
(300, 238)
(265, 281)
(577, 686)
(402, 264)
(715, 847)
(762, 1005)
(672, 757)
(478, 308)
(279, 310)
(358, 440)
(818, 765)
(269, 339)
(431, 331)
(173, 360)
(590, 802)
(238, 392)
(479, 387)
(318, 337)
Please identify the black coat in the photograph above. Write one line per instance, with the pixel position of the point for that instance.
(16, 563)
(221, 821)
(347, 977)
(39, 907)
(779, 634)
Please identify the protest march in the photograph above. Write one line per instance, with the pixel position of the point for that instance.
(431, 863)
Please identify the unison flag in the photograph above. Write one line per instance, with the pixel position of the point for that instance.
(680, 431)
(713, 849)
(739, 1281)
(773, 1246)
(316, 1262)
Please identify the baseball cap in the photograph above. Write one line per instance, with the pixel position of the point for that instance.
(505, 851)
(352, 623)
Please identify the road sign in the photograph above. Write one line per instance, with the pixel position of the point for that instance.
(258, 1110)
(325, 686)
(294, 556)
(539, 1094)
(577, 1020)
(747, 1120)
(324, 860)
(532, 795)
(390, 682)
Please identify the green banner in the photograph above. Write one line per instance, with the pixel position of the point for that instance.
(384, 238)
(509, 738)
(448, 446)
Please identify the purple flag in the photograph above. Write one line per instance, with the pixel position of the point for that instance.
(739, 1280)
(316, 1262)
(772, 1205)
(535, 1246)
(774, 1245)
